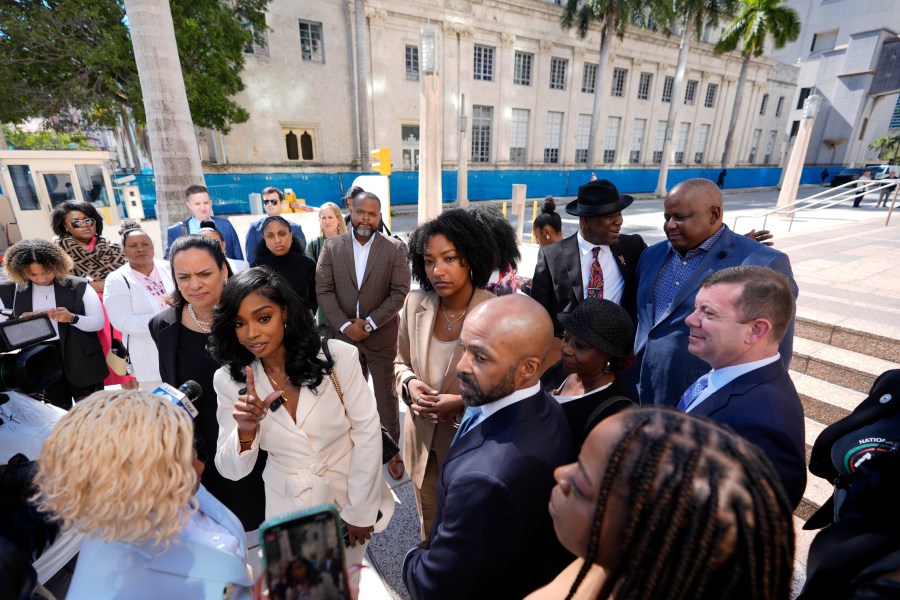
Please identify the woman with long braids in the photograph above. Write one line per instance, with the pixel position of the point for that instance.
(452, 257)
(665, 505)
(305, 402)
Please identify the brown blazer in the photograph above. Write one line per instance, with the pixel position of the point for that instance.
(420, 436)
(383, 289)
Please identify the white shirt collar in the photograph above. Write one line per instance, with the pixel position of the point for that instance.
(488, 409)
(585, 247)
(719, 378)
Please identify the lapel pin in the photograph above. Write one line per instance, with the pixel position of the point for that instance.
(622, 259)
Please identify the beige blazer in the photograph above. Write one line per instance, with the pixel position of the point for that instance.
(331, 454)
(414, 344)
(380, 295)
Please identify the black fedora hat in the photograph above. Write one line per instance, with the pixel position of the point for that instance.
(598, 198)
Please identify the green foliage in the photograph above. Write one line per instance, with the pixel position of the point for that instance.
(45, 140)
(71, 62)
(888, 148)
(581, 13)
(758, 21)
(705, 13)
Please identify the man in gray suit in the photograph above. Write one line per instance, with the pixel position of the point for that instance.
(669, 275)
(362, 280)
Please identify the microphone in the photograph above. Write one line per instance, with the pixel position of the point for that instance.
(184, 396)
(8, 313)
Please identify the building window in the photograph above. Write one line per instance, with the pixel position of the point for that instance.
(690, 92)
(754, 144)
(409, 138)
(701, 144)
(804, 94)
(554, 135)
(763, 105)
(558, 73)
(637, 141)
(824, 41)
(770, 146)
(618, 82)
(589, 78)
(583, 138)
(643, 92)
(668, 83)
(299, 143)
(711, 90)
(682, 143)
(258, 44)
(518, 135)
(311, 48)
(412, 63)
(23, 184)
(612, 138)
(779, 106)
(483, 66)
(895, 118)
(482, 120)
(522, 75)
(660, 142)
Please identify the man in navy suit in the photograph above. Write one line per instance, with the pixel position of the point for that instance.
(741, 315)
(492, 535)
(272, 198)
(669, 275)
(563, 271)
(200, 205)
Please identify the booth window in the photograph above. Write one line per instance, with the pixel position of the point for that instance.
(23, 184)
(93, 188)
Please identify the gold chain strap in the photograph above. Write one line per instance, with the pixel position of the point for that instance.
(336, 384)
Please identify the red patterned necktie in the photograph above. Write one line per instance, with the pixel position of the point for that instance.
(595, 285)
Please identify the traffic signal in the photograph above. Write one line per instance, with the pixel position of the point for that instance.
(382, 161)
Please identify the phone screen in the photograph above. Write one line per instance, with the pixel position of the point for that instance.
(304, 558)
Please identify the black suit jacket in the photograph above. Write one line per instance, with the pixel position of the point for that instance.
(492, 536)
(763, 407)
(557, 283)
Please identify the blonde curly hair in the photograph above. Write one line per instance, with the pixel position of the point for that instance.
(118, 467)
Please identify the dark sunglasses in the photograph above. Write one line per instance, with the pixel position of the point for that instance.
(271, 201)
(82, 223)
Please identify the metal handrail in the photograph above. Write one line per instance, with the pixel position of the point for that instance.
(828, 198)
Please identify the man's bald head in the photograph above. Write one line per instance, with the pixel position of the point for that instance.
(505, 340)
(692, 212)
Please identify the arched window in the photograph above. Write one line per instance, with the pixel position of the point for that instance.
(306, 145)
(290, 141)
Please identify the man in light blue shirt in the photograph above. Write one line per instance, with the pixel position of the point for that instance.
(200, 205)
(740, 317)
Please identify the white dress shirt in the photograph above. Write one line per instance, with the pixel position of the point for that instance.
(43, 298)
(613, 284)
(719, 378)
(487, 410)
(360, 258)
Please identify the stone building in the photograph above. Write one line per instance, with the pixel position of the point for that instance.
(528, 87)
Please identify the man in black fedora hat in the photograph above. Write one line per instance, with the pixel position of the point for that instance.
(598, 261)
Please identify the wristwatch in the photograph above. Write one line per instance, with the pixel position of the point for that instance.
(368, 327)
(74, 319)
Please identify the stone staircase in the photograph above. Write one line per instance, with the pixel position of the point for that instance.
(833, 369)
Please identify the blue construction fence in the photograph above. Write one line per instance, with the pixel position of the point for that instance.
(230, 192)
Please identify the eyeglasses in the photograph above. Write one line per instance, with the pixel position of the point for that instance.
(271, 201)
(82, 223)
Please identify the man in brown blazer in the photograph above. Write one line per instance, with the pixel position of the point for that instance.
(362, 280)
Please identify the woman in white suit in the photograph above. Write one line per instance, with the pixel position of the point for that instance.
(135, 292)
(152, 531)
(307, 405)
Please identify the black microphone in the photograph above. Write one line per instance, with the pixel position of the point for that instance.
(184, 396)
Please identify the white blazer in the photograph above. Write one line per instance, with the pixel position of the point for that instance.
(331, 454)
(130, 307)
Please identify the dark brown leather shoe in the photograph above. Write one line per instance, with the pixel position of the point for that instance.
(396, 468)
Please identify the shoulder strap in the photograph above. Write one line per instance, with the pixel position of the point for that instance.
(598, 412)
(332, 374)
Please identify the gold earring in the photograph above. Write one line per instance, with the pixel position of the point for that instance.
(547, 236)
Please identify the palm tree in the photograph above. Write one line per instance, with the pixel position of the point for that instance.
(756, 23)
(173, 145)
(362, 83)
(613, 15)
(888, 148)
(693, 16)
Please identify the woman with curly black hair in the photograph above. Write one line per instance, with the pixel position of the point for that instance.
(665, 505)
(306, 403)
(39, 281)
(508, 255)
(452, 258)
(281, 251)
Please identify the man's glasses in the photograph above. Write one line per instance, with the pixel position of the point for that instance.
(271, 201)
(82, 223)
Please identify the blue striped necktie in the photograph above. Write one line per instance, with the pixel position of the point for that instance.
(693, 393)
(473, 413)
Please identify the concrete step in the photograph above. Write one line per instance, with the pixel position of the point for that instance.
(839, 366)
(859, 334)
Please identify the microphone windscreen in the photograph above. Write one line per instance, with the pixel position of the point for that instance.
(191, 389)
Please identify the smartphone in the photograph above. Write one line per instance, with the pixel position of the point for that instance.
(303, 555)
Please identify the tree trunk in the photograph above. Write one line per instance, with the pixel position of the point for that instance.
(176, 161)
(605, 42)
(735, 111)
(683, 51)
(362, 83)
(3, 145)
